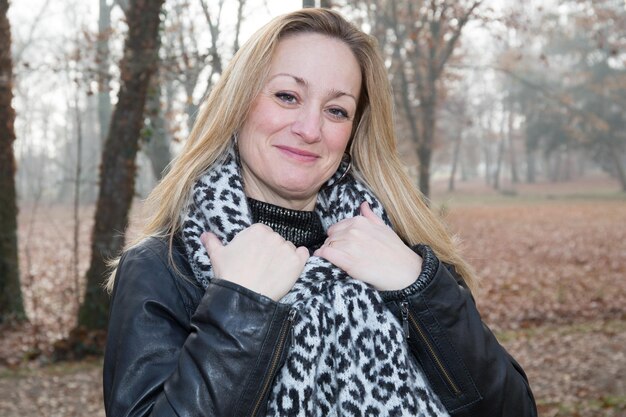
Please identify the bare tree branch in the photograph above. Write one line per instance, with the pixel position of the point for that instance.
(19, 52)
(214, 29)
(447, 51)
(242, 4)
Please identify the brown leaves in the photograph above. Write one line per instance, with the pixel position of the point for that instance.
(554, 289)
(64, 390)
(549, 263)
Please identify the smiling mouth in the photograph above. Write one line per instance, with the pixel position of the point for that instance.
(298, 154)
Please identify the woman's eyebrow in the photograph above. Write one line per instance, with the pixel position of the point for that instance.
(333, 93)
(339, 93)
(298, 80)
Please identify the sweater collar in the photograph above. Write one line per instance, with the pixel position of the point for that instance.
(302, 228)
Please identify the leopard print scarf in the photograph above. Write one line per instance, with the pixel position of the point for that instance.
(348, 356)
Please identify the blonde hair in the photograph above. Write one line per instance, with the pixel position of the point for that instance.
(372, 146)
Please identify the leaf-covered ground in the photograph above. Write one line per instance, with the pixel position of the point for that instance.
(553, 289)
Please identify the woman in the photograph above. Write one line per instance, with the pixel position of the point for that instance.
(289, 266)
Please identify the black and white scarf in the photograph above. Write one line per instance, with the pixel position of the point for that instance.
(348, 356)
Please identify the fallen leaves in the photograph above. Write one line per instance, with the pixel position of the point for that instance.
(63, 390)
(546, 263)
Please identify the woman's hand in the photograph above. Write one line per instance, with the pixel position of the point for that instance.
(370, 251)
(257, 258)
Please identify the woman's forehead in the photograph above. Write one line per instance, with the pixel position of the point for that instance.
(315, 60)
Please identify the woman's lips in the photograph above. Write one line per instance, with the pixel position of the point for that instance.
(298, 154)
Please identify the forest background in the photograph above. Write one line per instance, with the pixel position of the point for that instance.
(511, 119)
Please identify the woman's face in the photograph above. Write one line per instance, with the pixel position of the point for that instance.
(299, 125)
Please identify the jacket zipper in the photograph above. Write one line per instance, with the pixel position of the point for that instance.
(407, 318)
(282, 339)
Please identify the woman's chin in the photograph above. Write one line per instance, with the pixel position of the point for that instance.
(301, 184)
(299, 190)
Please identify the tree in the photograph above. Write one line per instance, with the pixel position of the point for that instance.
(578, 104)
(420, 38)
(102, 63)
(456, 109)
(184, 63)
(117, 170)
(11, 305)
(155, 137)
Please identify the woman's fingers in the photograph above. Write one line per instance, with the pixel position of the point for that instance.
(366, 219)
(332, 251)
(257, 258)
(370, 251)
(210, 242)
(367, 212)
(303, 254)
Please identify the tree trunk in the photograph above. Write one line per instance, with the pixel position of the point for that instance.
(428, 108)
(424, 154)
(455, 160)
(567, 169)
(500, 155)
(512, 150)
(531, 165)
(463, 162)
(555, 171)
(117, 170)
(157, 146)
(77, 182)
(406, 104)
(102, 62)
(488, 168)
(617, 163)
(580, 165)
(242, 4)
(191, 108)
(11, 306)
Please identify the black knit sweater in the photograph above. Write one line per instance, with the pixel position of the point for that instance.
(302, 228)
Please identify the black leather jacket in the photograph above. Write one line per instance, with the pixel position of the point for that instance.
(175, 350)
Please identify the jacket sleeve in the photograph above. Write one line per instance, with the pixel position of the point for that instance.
(470, 371)
(159, 362)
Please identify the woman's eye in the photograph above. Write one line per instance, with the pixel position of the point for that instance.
(338, 113)
(286, 98)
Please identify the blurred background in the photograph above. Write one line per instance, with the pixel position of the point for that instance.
(511, 119)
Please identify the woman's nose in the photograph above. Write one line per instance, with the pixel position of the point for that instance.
(308, 124)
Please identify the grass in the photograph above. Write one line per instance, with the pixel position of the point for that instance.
(608, 326)
(463, 199)
(598, 407)
(53, 369)
(478, 193)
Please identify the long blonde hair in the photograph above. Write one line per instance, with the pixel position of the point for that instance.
(372, 146)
